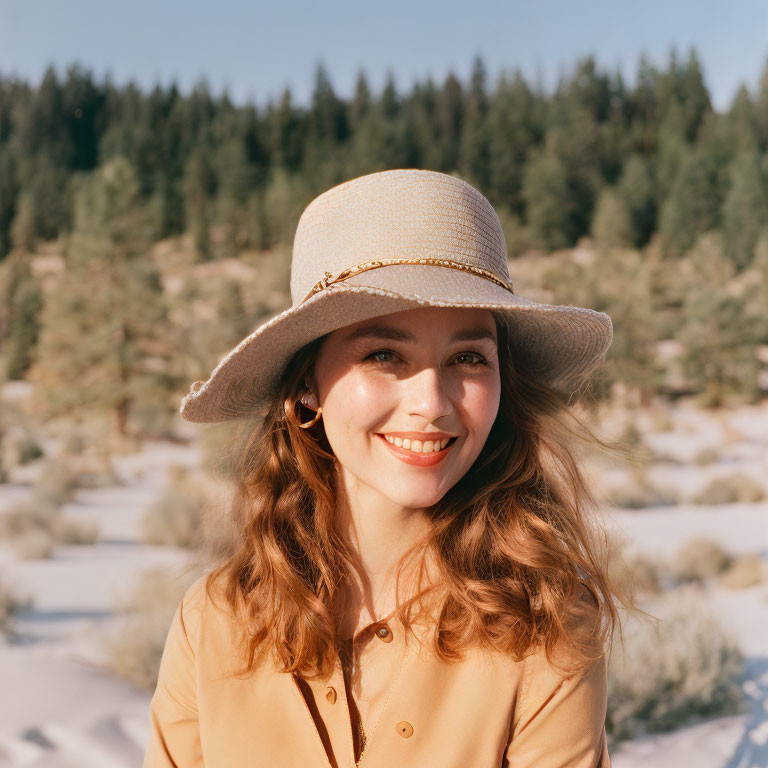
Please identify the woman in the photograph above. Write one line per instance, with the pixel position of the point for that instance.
(417, 581)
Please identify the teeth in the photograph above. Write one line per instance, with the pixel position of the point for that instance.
(417, 446)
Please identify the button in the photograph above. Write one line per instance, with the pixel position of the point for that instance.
(384, 633)
(405, 729)
(330, 694)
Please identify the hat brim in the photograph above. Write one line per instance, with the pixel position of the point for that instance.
(560, 344)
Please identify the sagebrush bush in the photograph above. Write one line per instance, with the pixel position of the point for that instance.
(699, 559)
(27, 449)
(71, 530)
(729, 490)
(34, 526)
(27, 515)
(56, 483)
(640, 495)
(175, 519)
(145, 613)
(11, 602)
(674, 672)
(745, 571)
(706, 456)
(34, 545)
(643, 573)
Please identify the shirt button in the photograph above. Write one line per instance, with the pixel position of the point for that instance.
(330, 694)
(384, 633)
(405, 729)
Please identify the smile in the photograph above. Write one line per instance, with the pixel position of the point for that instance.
(420, 458)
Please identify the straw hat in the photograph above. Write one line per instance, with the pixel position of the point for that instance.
(392, 241)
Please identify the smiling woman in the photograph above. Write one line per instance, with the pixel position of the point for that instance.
(418, 579)
(419, 390)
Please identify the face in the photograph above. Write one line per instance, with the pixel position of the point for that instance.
(416, 377)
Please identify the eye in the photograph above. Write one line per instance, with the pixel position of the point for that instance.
(372, 357)
(480, 359)
(375, 357)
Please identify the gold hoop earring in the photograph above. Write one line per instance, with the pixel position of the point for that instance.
(308, 424)
(302, 425)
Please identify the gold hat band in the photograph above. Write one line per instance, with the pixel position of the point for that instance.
(328, 278)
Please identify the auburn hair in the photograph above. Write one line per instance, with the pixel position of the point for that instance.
(521, 551)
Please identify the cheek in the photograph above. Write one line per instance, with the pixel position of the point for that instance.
(481, 403)
(356, 402)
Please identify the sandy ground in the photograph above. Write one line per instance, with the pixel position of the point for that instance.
(59, 707)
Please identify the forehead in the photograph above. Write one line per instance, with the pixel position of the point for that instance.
(404, 326)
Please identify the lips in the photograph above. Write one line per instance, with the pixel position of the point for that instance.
(417, 459)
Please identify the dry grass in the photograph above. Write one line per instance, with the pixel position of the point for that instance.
(678, 671)
(135, 649)
(700, 559)
(175, 519)
(745, 571)
(56, 483)
(640, 573)
(33, 528)
(730, 490)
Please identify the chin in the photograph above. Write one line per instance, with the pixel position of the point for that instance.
(417, 500)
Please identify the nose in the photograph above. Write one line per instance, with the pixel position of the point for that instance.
(426, 394)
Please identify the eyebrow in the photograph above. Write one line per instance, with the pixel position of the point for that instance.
(395, 334)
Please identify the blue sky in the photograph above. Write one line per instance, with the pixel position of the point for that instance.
(257, 48)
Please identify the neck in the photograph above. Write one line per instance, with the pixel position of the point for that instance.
(379, 533)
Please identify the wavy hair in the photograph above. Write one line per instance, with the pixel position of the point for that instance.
(521, 553)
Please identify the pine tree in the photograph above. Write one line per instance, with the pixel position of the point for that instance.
(102, 333)
(745, 211)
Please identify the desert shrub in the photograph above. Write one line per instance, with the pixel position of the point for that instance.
(175, 519)
(27, 449)
(729, 490)
(665, 457)
(73, 443)
(34, 526)
(650, 575)
(745, 571)
(661, 421)
(706, 456)
(34, 544)
(145, 613)
(632, 436)
(699, 559)
(11, 602)
(56, 483)
(672, 673)
(640, 495)
(27, 515)
(640, 572)
(70, 530)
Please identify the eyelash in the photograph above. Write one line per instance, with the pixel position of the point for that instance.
(480, 362)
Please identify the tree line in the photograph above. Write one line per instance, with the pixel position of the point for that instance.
(673, 195)
(594, 153)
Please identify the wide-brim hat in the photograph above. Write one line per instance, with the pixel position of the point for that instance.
(387, 242)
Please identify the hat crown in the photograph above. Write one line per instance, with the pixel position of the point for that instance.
(404, 213)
